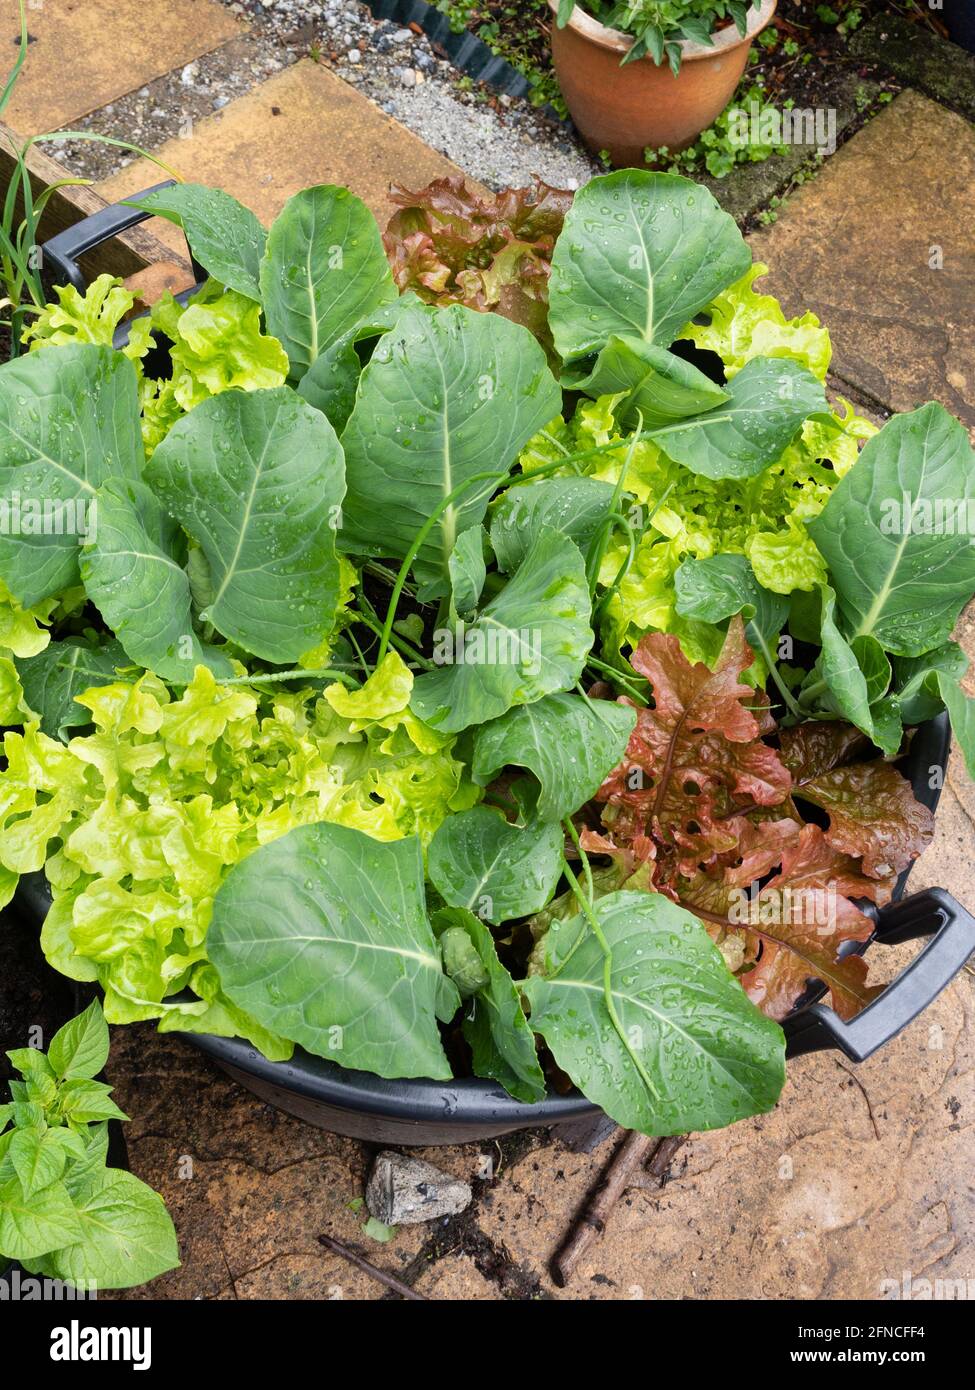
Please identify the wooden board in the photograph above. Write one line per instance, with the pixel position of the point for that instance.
(124, 255)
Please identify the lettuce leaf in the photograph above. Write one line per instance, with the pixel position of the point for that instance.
(744, 325)
(21, 630)
(452, 246)
(139, 821)
(217, 345)
(701, 810)
(682, 515)
(92, 317)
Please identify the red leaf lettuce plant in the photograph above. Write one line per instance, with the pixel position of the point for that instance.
(451, 246)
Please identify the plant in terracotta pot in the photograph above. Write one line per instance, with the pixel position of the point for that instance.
(639, 73)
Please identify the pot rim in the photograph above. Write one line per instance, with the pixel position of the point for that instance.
(725, 40)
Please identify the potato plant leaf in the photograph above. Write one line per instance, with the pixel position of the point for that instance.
(322, 936)
(467, 570)
(917, 681)
(654, 384)
(901, 565)
(768, 401)
(331, 382)
(449, 394)
(723, 585)
(257, 479)
(79, 1049)
(224, 236)
(126, 1238)
(34, 1223)
(69, 420)
(323, 269)
(570, 744)
(574, 507)
(961, 710)
(134, 576)
(640, 254)
(480, 861)
(501, 1041)
(530, 640)
(694, 1052)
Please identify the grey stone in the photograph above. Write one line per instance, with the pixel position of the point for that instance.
(404, 1191)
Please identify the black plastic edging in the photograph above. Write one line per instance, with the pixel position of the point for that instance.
(465, 50)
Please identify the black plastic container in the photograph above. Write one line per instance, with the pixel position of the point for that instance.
(959, 18)
(434, 1112)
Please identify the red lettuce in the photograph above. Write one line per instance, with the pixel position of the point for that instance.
(703, 809)
(452, 246)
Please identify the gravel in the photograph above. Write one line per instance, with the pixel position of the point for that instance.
(499, 140)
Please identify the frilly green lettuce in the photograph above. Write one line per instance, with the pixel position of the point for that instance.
(691, 516)
(21, 629)
(218, 345)
(11, 695)
(160, 411)
(138, 821)
(91, 317)
(319, 657)
(744, 325)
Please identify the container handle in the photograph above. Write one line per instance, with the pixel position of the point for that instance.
(933, 913)
(62, 251)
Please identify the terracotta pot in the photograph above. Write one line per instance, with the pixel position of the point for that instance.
(622, 110)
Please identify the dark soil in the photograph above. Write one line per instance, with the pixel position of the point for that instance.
(32, 995)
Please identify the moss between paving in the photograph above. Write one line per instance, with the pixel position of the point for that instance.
(919, 59)
(750, 187)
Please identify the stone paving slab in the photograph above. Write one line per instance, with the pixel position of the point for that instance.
(857, 246)
(84, 54)
(301, 127)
